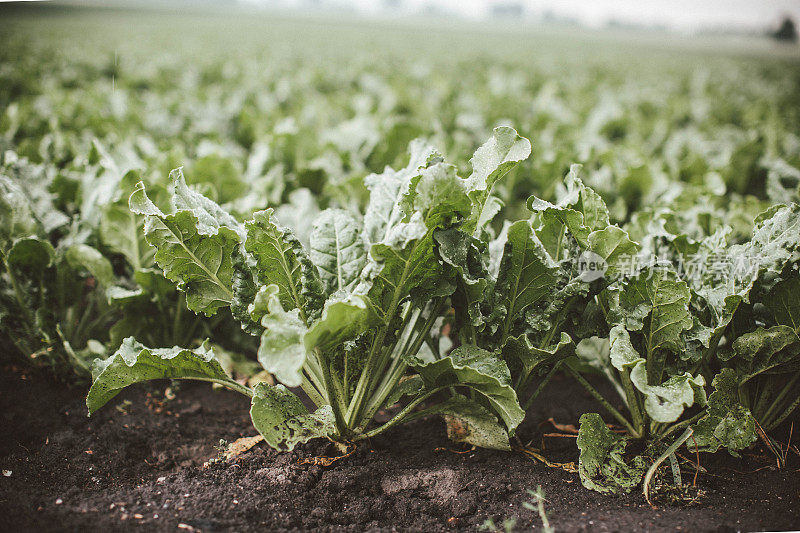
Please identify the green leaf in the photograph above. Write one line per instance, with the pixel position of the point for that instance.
(341, 320)
(133, 363)
(527, 275)
(602, 464)
(245, 292)
(123, 232)
(284, 422)
(461, 252)
(784, 303)
(210, 216)
(121, 229)
(495, 158)
(664, 300)
(470, 423)
(280, 260)
(727, 423)
(31, 254)
(583, 214)
(773, 350)
(16, 217)
(616, 249)
(386, 191)
(479, 370)
(200, 262)
(394, 270)
(438, 194)
(580, 211)
(776, 241)
(665, 402)
(282, 352)
(86, 257)
(338, 249)
(521, 353)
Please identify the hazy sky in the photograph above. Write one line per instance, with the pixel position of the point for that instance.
(684, 14)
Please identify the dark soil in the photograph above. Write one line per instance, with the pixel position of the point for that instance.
(141, 463)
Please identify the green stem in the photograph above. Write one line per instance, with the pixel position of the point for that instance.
(79, 331)
(341, 426)
(176, 320)
(311, 391)
(247, 391)
(676, 470)
(680, 425)
(632, 401)
(541, 386)
(365, 380)
(399, 364)
(763, 396)
(597, 396)
(786, 412)
(778, 399)
(18, 293)
(671, 450)
(713, 346)
(399, 416)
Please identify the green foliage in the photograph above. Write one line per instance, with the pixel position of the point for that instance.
(317, 206)
(345, 322)
(602, 464)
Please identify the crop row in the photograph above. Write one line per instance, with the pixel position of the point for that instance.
(322, 230)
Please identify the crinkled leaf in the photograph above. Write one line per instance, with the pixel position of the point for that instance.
(527, 275)
(602, 464)
(16, 217)
(665, 402)
(284, 422)
(727, 424)
(495, 158)
(384, 210)
(461, 252)
(438, 194)
(470, 423)
(664, 300)
(279, 259)
(282, 352)
(200, 262)
(338, 249)
(480, 370)
(210, 216)
(521, 353)
(772, 350)
(133, 363)
(394, 271)
(244, 288)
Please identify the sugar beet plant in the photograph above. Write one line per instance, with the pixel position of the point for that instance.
(352, 319)
(520, 294)
(665, 332)
(657, 330)
(77, 274)
(344, 319)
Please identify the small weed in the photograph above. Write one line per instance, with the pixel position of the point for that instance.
(535, 504)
